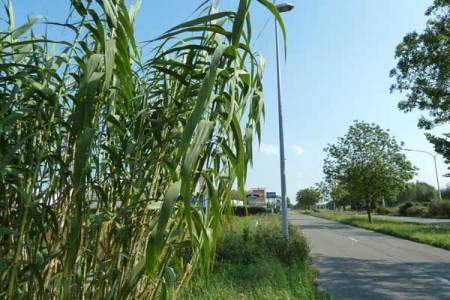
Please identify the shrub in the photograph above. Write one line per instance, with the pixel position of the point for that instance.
(440, 208)
(417, 192)
(247, 246)
(241, 211)
(236, 248)
(412, 209)
(404, 207)
(297, 248)
(417, 211)
(445, 193)
(386, 210)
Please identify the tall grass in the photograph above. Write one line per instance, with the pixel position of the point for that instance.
(102, 149)
(254, 262)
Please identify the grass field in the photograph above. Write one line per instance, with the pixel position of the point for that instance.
(253, 263)
(432, 234)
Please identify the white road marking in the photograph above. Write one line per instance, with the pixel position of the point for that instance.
(443, 280)
(353, 239)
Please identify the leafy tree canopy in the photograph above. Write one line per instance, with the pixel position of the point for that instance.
(339, 194)
(423, 73)
(334, 191)
(446, 192)
(368, 162)
(307, 198)
(417, 192)
(289, 203)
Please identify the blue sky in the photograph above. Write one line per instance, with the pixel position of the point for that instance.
(337, 70)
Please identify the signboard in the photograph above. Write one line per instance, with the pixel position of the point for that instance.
(256, 197)
(252, 202)
(271, 195)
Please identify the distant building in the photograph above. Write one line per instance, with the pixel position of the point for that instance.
(324, 203)
(256, 197)
(237, 203)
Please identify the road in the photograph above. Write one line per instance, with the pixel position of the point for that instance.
(360, 264)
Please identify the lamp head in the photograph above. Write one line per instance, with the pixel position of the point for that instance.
(284, 7)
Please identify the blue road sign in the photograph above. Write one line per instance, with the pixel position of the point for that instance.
(271, 195)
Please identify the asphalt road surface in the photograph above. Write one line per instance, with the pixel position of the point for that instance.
(360, 264)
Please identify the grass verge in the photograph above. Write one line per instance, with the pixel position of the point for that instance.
(432, 234)
(253, 262)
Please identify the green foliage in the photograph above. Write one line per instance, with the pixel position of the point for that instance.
(288, 202)
(435, 209)
(441, 145)
(266, 280)
(340, 194)
(386, 210)
(255, 241)
(252, 264)
(335, 191)
(402, 208)
(244, 211)
(102, 149)
(423, 73)
(432, 234)
(440, 208)
(417, 192)
(306, 198)
(446, 193)
(369, 163)
(417, 211)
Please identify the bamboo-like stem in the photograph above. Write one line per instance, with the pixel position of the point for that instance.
(99, 139)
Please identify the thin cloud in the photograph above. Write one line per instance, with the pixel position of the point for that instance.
(298, 150)
(268, 149)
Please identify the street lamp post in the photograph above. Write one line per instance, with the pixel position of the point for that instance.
(435, 167)
(282, 7)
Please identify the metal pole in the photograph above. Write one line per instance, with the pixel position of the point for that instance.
(437, 178)
(435, 168)
(284, 217)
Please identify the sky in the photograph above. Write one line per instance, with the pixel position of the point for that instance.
(339, 54)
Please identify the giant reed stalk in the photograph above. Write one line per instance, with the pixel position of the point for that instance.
(102, 150)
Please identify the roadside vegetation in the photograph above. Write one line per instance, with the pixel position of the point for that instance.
(369, 164)
(366, 169)
(253, 262)
(423, 76)
(104, 144)
(307, 198)
(433, 209)
(432, 234)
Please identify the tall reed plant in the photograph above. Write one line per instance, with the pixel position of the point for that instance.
(103, 149)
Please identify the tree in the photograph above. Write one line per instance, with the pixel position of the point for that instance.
(339, 194)
(367, 161)
(446, 192)
(334, 191)
(423, 72)
(289, 203)
(306, 198)
(417, 192)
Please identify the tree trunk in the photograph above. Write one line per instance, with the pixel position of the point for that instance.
(369, 210)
